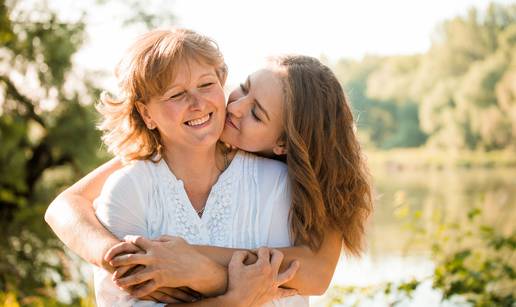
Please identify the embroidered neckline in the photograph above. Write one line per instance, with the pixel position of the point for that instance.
(213, 226)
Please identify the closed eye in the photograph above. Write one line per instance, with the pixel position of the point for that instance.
(243, 88)
(178, 95)
(207, 84)
(253, 113)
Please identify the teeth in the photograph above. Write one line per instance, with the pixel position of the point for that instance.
(199, 121)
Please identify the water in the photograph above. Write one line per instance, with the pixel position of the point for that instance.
(393, 254)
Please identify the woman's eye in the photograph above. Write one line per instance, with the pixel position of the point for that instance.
(253, 113)
(176, 96)
(243, 88)
(207, 84)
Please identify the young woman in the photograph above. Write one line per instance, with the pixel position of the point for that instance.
(293, 109)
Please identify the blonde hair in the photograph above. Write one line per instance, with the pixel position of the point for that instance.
(330, 183)
(145, 71)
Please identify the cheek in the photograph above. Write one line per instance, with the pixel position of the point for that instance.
(168, 114)
(217, 97)
(255, 136)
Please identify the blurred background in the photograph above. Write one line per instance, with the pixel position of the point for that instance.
(433, 89)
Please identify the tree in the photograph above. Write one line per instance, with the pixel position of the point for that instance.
(48, 137)
(458, 95)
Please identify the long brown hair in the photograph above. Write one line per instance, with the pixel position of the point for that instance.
(330, 183)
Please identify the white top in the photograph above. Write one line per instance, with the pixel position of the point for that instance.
(247, 208)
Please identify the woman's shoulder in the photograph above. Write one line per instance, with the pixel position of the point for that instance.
(263, 165)
(136, 174)
(267, 173)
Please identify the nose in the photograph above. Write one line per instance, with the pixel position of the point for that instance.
(237, 107)
(196, 101)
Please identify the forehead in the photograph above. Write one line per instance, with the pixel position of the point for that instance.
(267, 88)
(190, 70)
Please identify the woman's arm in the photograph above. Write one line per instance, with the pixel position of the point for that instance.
(253, 285)
(72, 217)
(313, 277)
(316, 267)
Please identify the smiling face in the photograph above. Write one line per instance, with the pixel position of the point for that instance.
(191, 112)
(254, 119)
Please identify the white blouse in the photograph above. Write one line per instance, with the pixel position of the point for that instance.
(247, 207)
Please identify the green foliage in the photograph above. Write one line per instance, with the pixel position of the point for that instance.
(462, 89)
(473, 262)
(49, 140)
(387, 123)
(44, 147)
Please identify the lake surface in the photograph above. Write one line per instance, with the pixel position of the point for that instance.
(394, 254)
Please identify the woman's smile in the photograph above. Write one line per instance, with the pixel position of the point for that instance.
(200, 122)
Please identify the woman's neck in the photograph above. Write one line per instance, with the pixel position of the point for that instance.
(198, 169)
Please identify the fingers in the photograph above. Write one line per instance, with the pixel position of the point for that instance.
(276, 259)
(130, 259)
(264, 255)
(163, 298)
(139, 241)
(190, 291)
(237, 259)
(134, 279)
(289, 273)
(178, 294)
(125, 270)
(121, 248)
(145, 289)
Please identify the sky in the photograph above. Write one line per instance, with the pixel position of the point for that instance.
(248, 31)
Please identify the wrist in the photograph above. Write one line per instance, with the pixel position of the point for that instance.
(208, 277)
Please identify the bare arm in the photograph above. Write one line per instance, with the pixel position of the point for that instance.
(165, 259)
(316, 267)
(253, 285)
(72, 217)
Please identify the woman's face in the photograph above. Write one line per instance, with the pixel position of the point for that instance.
(191, 112)
(254, 118)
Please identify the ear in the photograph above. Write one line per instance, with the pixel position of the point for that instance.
(280, 148)
(145, 114)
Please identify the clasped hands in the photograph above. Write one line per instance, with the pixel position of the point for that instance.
(169, 270)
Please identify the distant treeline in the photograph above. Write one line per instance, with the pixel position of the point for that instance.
(461, 94)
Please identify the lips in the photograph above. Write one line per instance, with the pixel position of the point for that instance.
(230, 123)
(198, 121)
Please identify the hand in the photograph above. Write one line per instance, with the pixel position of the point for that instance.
(169, 262)
(167, 295)
(259, 283)
(122, 248)
(173, 295)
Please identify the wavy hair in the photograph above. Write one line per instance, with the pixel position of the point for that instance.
(330, 183)
(145, 71)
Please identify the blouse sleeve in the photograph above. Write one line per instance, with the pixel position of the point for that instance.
(120, 206)
(121, 209)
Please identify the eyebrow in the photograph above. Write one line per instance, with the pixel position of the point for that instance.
(257, 102)
(173, 87)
